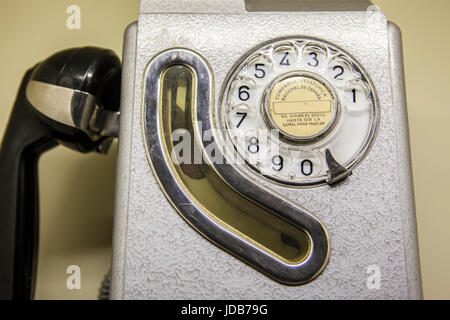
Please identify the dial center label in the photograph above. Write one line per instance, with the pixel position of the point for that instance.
(301, 107)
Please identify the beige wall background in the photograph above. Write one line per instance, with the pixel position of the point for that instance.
(77, 191)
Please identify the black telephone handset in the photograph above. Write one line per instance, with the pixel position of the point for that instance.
(72, 98)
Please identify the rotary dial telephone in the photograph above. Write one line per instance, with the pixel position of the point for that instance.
(276, 130)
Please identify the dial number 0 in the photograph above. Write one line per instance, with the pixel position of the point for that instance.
(306, 167)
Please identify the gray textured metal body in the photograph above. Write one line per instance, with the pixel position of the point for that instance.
(370, 217)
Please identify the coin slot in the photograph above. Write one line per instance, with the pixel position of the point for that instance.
(201, 182)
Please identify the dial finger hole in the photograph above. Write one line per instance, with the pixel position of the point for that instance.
(340, 71)
(314, 56)
(308, 165)
(357, 97)
(278, 162)
(242, 118)
(256, 147)
(285, 55)
(260, 69)
(244, 91)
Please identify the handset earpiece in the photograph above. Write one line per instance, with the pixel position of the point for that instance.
(75, 92)
(71, 98)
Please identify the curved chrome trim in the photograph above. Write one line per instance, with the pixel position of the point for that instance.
(188, 208)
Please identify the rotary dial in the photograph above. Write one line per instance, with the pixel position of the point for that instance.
(300, 111)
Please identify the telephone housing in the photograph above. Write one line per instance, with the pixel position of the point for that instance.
(369, 216)
(263, 153)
